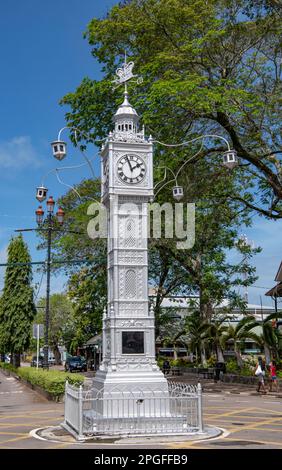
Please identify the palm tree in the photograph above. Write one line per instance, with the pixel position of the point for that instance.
(271, 336)
(197, 334)
(216, 330)
(171, 332)
(239, 334)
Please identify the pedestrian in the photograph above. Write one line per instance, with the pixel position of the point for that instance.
(272, 376)
(166, 367)
(260, 373)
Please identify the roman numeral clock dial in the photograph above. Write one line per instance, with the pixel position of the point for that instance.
(131, 169)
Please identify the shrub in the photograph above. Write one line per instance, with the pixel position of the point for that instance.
(52, 381)
(7, 366)
(232, 366)
(211, 361)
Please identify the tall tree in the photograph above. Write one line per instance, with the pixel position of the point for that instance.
(61, 317)
(215, 68)
(17, 309)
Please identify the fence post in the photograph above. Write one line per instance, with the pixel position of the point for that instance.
(66, 401)
(80, 410)
(200, 409)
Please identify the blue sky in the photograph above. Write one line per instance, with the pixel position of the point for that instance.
(43, 57)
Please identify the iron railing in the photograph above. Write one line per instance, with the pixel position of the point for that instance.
(137, 412)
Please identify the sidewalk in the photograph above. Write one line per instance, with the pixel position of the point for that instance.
(209, 386)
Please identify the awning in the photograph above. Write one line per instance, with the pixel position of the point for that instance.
(276, 291)
(95, 340)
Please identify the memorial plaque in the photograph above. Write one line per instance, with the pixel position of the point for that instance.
(133, 342)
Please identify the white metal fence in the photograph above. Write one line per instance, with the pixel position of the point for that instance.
(119, 412)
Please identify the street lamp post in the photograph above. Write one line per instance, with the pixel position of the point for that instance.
(49, 223)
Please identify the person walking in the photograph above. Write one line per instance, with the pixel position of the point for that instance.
(260, 373)
(166, 367)
(273, 376)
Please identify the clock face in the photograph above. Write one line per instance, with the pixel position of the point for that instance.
(131, 169)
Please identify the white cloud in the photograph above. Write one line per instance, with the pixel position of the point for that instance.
(18, 153)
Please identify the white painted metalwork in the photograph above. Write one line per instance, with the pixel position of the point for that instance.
(132, 412)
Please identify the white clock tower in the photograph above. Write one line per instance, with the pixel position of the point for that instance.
(129, 362)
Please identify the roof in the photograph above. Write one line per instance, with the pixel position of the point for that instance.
(275, 291)
(94, 340)
(126, 109)
(187, 302)
(279, 273)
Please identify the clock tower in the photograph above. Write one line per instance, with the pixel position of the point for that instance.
(129, 362)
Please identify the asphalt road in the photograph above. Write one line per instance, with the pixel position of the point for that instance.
(249, 420)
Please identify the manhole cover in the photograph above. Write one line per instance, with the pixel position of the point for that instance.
(236, 443)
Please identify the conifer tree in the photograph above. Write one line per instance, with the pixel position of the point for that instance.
(17, 309)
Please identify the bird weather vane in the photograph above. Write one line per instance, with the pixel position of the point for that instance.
(124, 74)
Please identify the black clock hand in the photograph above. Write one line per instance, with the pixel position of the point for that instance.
(136, 166)
(129, 164)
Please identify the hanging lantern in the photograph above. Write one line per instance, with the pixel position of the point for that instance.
(50, 205)
(230, 159)
(59, 149)
(177, 192)
(41, 193)
(60, 216)
(39, 215)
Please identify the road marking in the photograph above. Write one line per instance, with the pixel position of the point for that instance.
(185, 445)
(9, 393)
(269, 429)
(13, 433)
(251, 440)
(231, 413)
(26, 436)
(31, 424)
(255, 425)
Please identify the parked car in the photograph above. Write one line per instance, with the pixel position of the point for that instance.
(34, 361)
(51, 360)
(75, 363)
(7, 358)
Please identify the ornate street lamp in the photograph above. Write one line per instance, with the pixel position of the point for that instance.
(41, 193)
(48, 223)
(60, 216)
(39, 215)
(50, 205)
(229, 160)
(59, 149)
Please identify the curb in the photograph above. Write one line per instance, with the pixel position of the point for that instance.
(49, 434)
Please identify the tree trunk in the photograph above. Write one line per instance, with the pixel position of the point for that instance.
(267, 354)
(175, 357)
(206, 310)
(219, 354)
(57, 355)
(203, 357)
(16, 359)
(238, 356)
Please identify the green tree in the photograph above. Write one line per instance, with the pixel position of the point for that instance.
(17, 309)
(61, 321)
(270, 337)
(197, 331)
(216, 330)
(215, 68)
(238, 334)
